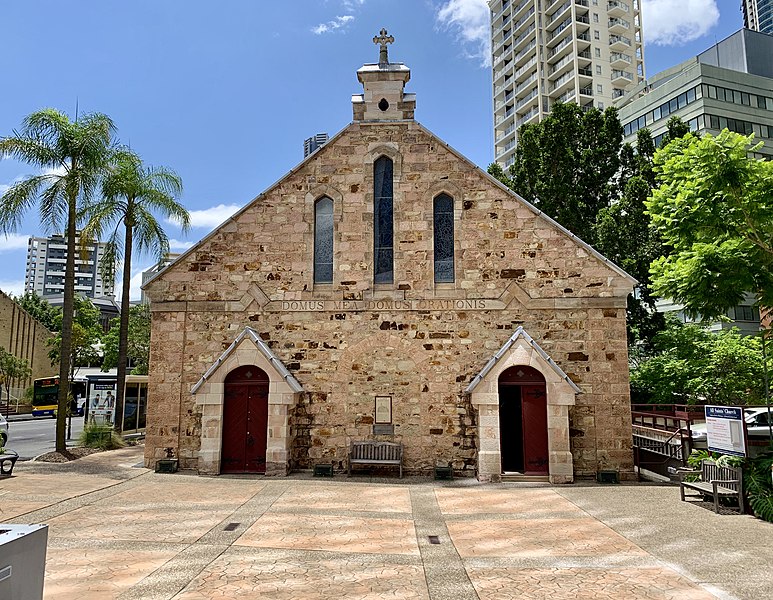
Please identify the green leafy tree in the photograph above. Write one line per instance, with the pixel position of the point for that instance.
(714, 208)
(72, 156)
(574, 166)
(138, 342)
(86, 337)
(692, 365)
(40, 309)
(132, 193)
(625, 235)
(12, 369)
(566, 165)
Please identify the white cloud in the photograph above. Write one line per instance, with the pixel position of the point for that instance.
(337, 23)
(13, 241)
(471, 21)
(210, 217)
(4, 187)
(676, 22)
(135, 293)
(134, 283)
(179, 244)
(12, 287)
(350, 5)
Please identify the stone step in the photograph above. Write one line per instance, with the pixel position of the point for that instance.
(521, 478)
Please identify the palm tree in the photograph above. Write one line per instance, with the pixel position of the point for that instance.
(131, 193)
(72, 156)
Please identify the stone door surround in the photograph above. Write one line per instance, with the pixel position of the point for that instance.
(283, 392)
(522, 350)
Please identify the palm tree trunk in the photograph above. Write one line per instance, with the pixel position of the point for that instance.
(123, 332)
(65, 350)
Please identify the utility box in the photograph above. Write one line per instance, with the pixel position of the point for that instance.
(22, 561)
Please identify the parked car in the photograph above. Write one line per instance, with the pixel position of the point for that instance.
(3, 430)
(756, 427)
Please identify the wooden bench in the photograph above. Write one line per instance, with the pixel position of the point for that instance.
(715, 481)
(370, 452)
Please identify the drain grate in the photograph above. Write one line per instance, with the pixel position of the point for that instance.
(433, 539)
(231, 526)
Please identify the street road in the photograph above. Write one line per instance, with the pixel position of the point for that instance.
(31, 438)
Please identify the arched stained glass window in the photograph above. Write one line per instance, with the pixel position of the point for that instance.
(383, 243)
(443, 212)
(323, 240)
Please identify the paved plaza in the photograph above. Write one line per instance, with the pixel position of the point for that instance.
(117, 530)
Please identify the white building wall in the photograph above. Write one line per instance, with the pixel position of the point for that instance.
(46, 259)
(545, 51)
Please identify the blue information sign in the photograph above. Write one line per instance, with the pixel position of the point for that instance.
(724, 430)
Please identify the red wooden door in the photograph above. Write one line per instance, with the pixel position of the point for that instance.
(245, 421)
(535, 429)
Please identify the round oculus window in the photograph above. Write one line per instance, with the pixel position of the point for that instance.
(383, 104)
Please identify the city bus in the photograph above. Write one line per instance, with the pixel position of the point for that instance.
(45, 395)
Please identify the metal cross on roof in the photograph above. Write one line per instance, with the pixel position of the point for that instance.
(383, 39)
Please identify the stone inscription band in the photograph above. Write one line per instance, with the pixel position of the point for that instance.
(385, 304)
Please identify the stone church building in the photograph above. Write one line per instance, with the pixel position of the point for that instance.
(389, 289)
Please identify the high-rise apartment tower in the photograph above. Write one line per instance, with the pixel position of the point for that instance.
(758, 15)
(547, 51)
(314, 143)
(46, 259)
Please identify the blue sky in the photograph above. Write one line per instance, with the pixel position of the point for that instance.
(225, 92)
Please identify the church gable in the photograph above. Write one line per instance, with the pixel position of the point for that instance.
(495, 241)
(382, 273)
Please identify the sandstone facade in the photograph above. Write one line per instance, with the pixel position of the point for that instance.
(246, 295)
(25, 338)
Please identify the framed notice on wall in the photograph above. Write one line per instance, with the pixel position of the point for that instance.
(383, 410)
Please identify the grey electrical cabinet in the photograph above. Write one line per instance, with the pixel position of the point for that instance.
(22, 561)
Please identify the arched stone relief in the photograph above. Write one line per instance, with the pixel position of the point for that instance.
(390, 151)
(382, 339)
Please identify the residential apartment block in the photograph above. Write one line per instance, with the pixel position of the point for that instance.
(314, 143)
(758, 15)
(46, 259)
(546, 51)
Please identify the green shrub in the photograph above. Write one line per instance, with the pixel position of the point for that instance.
(758, 485)
(100, 436)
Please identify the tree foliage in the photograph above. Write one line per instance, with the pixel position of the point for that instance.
(566, 165)
(12, 368)
(574, 166)
(692, 365)
(138, 341)
(131, 194)
(71, 157)
(40, 309)
(86, 336)
(714, 208)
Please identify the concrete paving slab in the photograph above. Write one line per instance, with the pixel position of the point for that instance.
(118, 531)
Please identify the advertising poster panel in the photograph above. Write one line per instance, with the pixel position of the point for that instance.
(102, 402)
